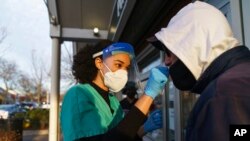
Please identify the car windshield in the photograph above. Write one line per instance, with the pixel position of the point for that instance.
(3, 107)
(7, 107)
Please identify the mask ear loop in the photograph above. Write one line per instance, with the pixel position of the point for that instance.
(106, 66)
(101, 72)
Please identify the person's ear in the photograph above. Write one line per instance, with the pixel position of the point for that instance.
(98, 63)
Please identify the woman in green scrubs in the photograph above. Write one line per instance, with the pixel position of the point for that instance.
(90, 110)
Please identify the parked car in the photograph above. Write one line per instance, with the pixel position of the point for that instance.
(9, 110)
(4, 114)
(45, 106)
(29, 105)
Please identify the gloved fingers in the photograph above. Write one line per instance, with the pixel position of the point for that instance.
(158, 75)
(149, 125)
(157, 126)
(155, 83)
(164, 70)
(153, 123)
(157, 121)
(158, 118)
(156, 112)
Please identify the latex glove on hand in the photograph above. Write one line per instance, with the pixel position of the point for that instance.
(158, 77)
(154, 121)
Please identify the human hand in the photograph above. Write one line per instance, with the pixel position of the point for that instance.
(157, 79)
(154, 121)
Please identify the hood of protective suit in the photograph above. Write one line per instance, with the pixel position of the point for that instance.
(197, 35)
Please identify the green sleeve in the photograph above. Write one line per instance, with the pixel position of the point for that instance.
(80, 116)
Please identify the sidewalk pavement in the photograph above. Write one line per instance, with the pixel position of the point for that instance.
(35, 135)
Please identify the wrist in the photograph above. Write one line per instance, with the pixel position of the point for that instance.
(141, 132)
(154, 91)
(150, 94)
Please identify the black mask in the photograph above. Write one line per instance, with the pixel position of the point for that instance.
(131, 93)
(182, 78)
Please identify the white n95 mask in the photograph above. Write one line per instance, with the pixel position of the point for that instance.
(115, 81)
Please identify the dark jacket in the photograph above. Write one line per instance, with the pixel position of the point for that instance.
(224, 90)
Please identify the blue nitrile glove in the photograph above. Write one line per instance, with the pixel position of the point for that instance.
(154, 121)
(157, 79)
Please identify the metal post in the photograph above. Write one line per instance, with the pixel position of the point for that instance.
(177, 105)
(165, 108)
(246, 21)
(165, 105)
(55, 90)
(235, 6)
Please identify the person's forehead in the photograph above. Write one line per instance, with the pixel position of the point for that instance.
(122, 58)
(118, 48)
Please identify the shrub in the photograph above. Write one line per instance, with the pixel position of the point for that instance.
(35, 118)
(20, 115)
(10, 136)
(11, 129)
(39, 118)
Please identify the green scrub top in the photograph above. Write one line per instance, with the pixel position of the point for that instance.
(85, 113)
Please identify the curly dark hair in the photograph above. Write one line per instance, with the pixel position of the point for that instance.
(83, 68)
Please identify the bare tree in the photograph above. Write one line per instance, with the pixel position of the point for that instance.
(3, 35)
(8, 72)
(66, 65)
(39, 74)
(25, 84)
